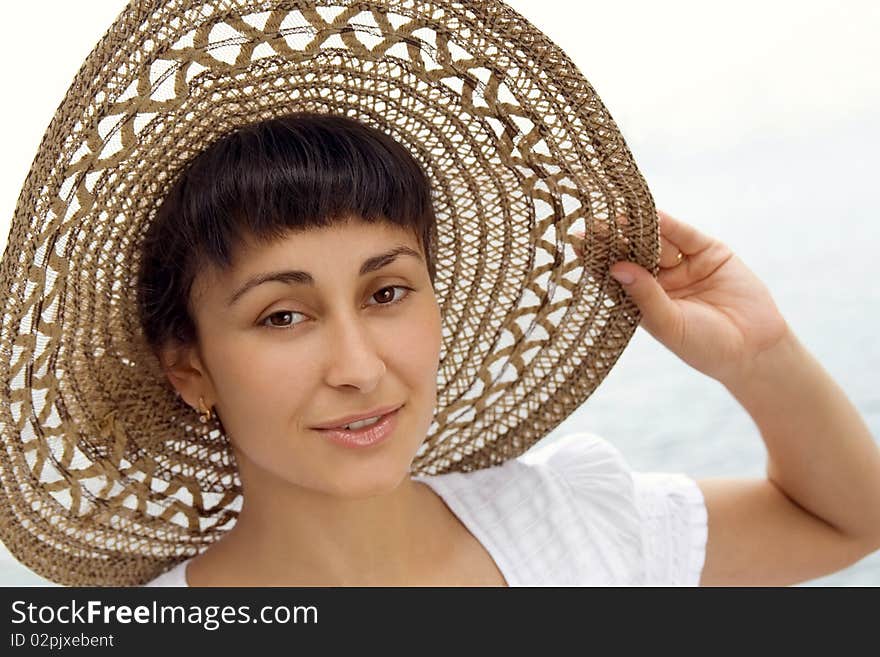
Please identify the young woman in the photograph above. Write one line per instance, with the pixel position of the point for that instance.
(339, 241)
(289, 289)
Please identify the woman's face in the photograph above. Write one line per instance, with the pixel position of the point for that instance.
(279, 358)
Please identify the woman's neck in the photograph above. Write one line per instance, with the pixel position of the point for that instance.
(306, 538)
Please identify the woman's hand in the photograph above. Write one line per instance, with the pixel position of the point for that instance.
(706, 307)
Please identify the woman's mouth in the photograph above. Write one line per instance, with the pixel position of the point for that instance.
(363, 433)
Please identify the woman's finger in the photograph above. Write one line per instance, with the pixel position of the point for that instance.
(669, 253)
(687, 238)
(675, 272)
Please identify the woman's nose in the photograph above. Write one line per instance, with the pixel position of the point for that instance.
(353, 358)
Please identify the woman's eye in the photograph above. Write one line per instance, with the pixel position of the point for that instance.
(386, 297)
(282, 314)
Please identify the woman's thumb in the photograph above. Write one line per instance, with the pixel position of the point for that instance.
(660, 315)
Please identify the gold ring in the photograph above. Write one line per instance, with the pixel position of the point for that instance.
(679, 258)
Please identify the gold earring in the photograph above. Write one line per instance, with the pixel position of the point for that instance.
(205, 414)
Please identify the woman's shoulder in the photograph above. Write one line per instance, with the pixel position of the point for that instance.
(578, 513)
(666, 510)
(585, 460)
(563, 513)
(582, 464)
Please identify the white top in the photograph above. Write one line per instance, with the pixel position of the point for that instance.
(573, 513)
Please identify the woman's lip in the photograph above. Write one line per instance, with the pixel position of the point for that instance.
(379, 412)
(365, 436)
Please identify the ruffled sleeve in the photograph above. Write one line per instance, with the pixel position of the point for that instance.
(675, 529)
(640, 528)
(600, 520)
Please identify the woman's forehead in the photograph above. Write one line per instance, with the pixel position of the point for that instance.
(341, 248)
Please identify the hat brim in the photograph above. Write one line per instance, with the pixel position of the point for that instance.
(104, 479)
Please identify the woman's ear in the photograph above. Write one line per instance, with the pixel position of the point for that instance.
(183, 367)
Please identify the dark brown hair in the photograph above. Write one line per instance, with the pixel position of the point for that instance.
(296, 172)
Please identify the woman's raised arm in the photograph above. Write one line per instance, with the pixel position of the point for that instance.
(818, 510)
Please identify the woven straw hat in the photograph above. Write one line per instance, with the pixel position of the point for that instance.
(106, 479)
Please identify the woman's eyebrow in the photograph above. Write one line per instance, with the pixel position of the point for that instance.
(295, 276)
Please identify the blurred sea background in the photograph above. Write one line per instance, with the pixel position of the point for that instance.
(756, 122)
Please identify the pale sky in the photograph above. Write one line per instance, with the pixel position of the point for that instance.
(702, 76)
